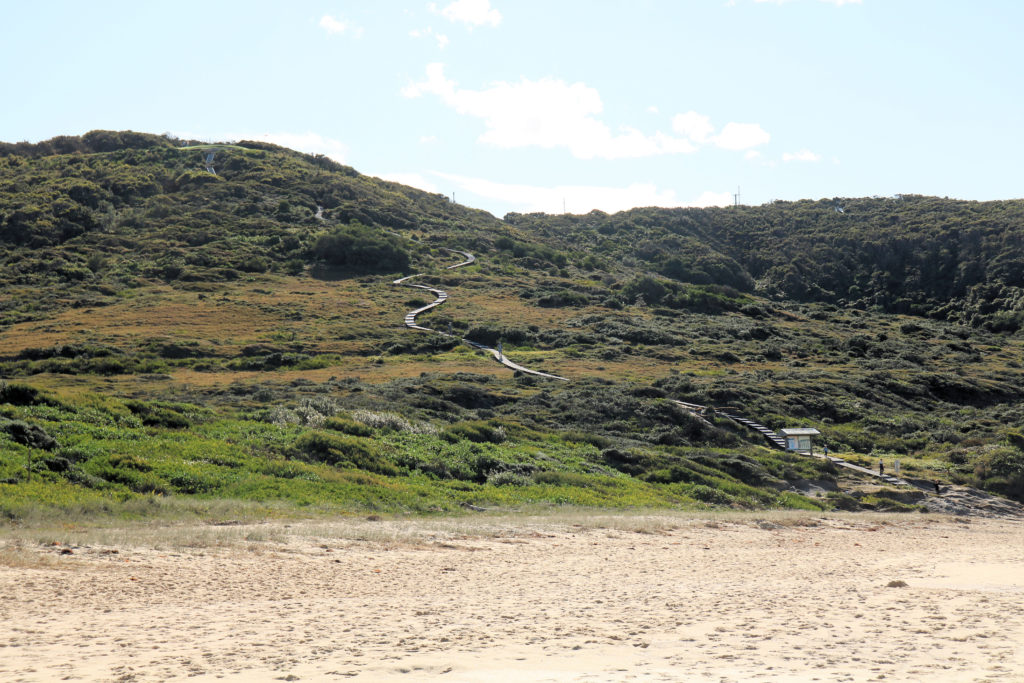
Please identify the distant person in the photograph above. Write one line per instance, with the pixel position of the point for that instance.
(881, 468)
(938, 489)
(826, 452)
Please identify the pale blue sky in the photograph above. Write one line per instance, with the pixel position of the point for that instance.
(519, 105)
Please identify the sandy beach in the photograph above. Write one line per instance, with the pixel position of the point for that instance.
(560, 597)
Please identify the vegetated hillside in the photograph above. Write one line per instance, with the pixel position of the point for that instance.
(89, 217)
(165, 330)
(945, 259)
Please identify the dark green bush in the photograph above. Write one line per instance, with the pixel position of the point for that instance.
(26, 434)
(745, 469)
(362, 249)
(154, 414)
(20, 394)
(627, 462)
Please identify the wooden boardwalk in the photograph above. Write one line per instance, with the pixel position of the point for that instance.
(780, 443)
(442, 296)
(887, 478)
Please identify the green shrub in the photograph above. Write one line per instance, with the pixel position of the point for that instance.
(340, 451)
(21, 395)
(476, 431)
(129, 471)
(347, 426)
(706, 494)
(154, 414)
(745, 469)
(1015, 439)
(193, 482)
(843, 501)
(360, 248)
(1002, 471)
(627, 462)
(129, 461)
(798, 502)
(508, 479)
(597, 440)
(677, 474)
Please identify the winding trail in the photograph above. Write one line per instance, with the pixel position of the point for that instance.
(773, 438)
(442, 296)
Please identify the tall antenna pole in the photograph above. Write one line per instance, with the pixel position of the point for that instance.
(736, 197)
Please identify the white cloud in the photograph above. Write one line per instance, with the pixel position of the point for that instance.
(442, 39)
(581, 198)
(548, 113)
(334, 26)
(752, 154)
(737, 136)
(802, 155)
(436, 83)
(470, 12)
(652, 110)
(695, 126)
(428, 139)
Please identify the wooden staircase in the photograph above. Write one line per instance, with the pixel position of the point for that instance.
(773, 438)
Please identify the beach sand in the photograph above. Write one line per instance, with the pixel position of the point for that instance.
(560, 597)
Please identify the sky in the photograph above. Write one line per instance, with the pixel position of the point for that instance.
(552, 105)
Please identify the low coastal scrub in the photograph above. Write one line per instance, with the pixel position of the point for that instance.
(90, 454)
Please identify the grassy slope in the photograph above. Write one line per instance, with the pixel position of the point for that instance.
(166, 368)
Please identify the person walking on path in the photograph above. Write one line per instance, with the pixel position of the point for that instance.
(826, 452)
(881, 467)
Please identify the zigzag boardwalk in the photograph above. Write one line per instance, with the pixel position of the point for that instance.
(442, 296)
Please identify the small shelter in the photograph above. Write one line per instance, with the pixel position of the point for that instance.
(800, 439)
